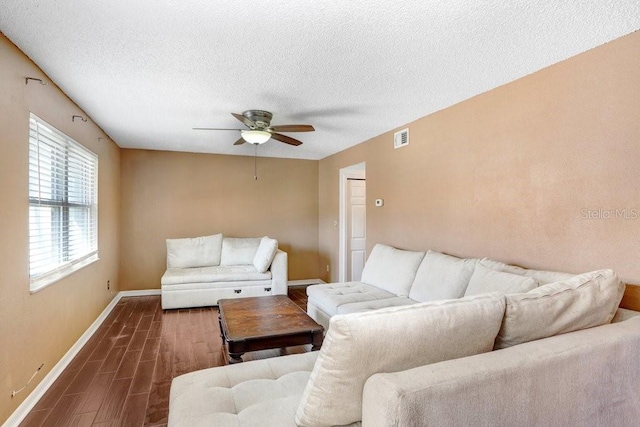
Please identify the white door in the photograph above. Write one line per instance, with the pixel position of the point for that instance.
(356, 228)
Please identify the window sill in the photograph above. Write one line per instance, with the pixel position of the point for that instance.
(41, 283)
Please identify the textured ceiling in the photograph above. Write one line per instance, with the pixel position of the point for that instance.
(148, 71)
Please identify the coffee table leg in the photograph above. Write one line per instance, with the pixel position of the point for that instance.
(318, 336)
(236, 349)
(220, 323)
(235, 358)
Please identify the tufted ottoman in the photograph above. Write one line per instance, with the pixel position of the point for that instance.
(241, 395)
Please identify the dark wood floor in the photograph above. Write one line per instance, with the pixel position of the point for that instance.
(122, 376)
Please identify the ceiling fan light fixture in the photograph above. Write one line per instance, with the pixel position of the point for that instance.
(255, 136)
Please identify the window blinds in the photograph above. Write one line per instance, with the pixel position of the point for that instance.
(62, 202)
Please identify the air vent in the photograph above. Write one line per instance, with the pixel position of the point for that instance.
(401, 139)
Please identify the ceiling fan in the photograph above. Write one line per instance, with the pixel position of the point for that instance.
(260, 130)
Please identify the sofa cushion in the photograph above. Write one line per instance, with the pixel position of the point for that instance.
(584, 301)
(441, 276)
(484, 280)
(541, 276)
(239, 251)
(264, 255)
(391, 269)
(221, 273)
(389, 340)
(194, 252)
(246, 394)
(329, 298)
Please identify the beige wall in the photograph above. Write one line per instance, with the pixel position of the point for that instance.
(172, 195)
(40, 328)
(508, 173)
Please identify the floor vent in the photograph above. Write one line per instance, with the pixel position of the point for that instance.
(401, 138)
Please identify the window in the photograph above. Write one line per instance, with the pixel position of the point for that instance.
(63, 214)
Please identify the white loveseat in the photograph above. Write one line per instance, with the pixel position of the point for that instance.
(202, 270)
(545, 356)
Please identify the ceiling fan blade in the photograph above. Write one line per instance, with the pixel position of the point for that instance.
(285, 139)
(292, 128)
(214, 129)
(239, 142)
(247, 122)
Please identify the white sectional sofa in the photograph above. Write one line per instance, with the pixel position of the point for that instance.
(523, 353)
(394, 277)
(202, 270)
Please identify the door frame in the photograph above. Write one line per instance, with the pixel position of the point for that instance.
(357, 171)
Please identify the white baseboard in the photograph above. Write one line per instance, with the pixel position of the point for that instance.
(305, 282)
(27, 405)
(140, 293)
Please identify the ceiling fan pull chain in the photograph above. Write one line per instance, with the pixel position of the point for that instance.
(255, 162)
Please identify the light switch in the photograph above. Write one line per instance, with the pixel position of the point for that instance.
(379, 202)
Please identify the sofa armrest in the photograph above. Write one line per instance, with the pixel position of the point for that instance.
(279, 273)
(588, 377)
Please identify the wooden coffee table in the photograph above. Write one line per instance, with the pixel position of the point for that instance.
(260, 323)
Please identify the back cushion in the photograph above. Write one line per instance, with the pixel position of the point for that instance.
(485, 280)
(541, 276)
(584, 301)
(441, 276)
(265, 253)
(390, 340)
(239, 251)
(391, 269)
(194, 252)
